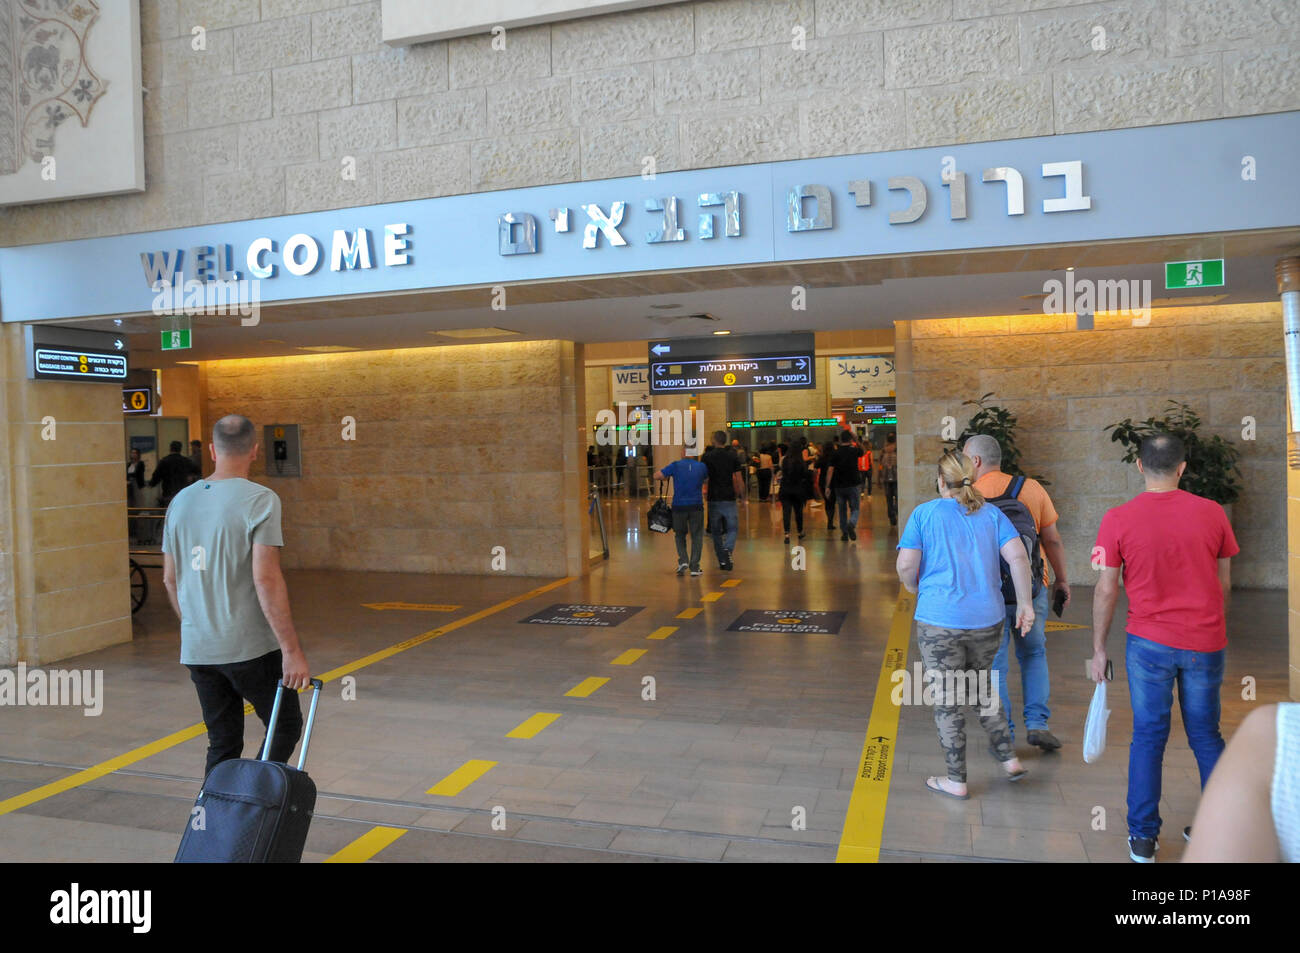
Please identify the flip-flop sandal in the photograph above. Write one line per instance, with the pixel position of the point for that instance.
(938, 790)
(1018, 775)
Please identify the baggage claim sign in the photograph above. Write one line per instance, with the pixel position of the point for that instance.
(745, 363)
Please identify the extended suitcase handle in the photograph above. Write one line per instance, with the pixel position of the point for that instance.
(316, 684)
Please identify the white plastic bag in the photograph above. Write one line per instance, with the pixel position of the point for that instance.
(1094, 729)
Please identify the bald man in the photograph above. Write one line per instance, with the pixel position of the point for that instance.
(1031, 650)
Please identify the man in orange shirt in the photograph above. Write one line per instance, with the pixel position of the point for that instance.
(1031, 650)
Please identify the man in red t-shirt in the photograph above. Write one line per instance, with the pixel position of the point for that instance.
(1174, 548)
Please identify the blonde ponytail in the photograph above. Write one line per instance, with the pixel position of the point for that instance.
(959, 476)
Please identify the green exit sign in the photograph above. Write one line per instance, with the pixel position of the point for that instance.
(178, 340)
(1194, 274)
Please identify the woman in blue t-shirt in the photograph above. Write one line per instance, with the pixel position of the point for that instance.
(948, 555)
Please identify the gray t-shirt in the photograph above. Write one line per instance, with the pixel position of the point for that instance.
(221, 618)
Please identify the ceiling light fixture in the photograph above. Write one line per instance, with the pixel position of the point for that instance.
(474, 332)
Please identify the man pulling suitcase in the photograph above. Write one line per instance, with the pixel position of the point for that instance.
(221, 568)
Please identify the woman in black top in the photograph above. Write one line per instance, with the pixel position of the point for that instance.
(795, 478)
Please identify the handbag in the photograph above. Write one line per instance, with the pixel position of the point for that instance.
(659, 518)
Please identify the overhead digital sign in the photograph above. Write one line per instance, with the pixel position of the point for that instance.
(58, 364)
(803, 422)
(71, 354)
(744, 363)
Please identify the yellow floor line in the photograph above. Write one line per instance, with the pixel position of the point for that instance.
(628, 657)
(662, 632)
(366, 846)
(94, 772)
(732, 583)
(533, 725)
(864, 824)
(711, 596)
(585, 687)
(690, 613)
(462, 777)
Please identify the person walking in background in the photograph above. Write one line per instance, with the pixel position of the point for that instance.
(823, 483)
(948, 555)
(1175, 549)
(689, 477)
(175, 472)
(794, 489)
(726, 486)
(134, 484)
(196, 457)
(889, 476)
(843, 475)
(985, 454)
(742, 457)
(765, 467)
(865, 463)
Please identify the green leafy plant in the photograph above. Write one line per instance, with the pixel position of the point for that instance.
(1000, 424)
(1211, 460)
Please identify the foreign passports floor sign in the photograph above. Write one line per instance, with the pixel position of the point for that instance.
(803, 621)
(568, 614)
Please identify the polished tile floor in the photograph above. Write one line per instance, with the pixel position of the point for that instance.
(702, 748)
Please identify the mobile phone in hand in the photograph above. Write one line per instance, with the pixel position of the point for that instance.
(1058, 602)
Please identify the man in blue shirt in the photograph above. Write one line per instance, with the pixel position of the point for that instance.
(688, 475)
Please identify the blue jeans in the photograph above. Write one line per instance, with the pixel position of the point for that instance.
(723, 526)
(1152, 671)
(848, 498)
(1031, 653)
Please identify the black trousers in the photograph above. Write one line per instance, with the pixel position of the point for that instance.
(891, 501)
(222, 690)
(764, 484)
(792, 505)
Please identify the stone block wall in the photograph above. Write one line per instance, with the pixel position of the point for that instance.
(1067, 385)
(64, 566)
(260, 121)
(457, 450)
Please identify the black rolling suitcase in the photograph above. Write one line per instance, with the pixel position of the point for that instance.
(254, 811)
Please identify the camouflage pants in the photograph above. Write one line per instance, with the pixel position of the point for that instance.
(964, 650)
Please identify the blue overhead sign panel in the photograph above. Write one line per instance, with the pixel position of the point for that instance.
(1118, 184)
(740, 363)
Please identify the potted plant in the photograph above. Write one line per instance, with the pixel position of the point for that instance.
(1000, 424)
(1211, 460)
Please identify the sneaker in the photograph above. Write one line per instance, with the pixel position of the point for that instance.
(844, 537)
(726, 567)
(697, 572)
(1042, 738)
(801, 535)
(853, 533)
(787, 538)
(1142, 850)
(681, 569)
(1187, 834)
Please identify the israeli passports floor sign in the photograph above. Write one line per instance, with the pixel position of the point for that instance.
(806, 621)
(568, 614)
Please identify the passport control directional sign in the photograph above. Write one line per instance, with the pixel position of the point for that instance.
(740, 363)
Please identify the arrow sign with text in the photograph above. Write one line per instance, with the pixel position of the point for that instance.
(742, 363)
